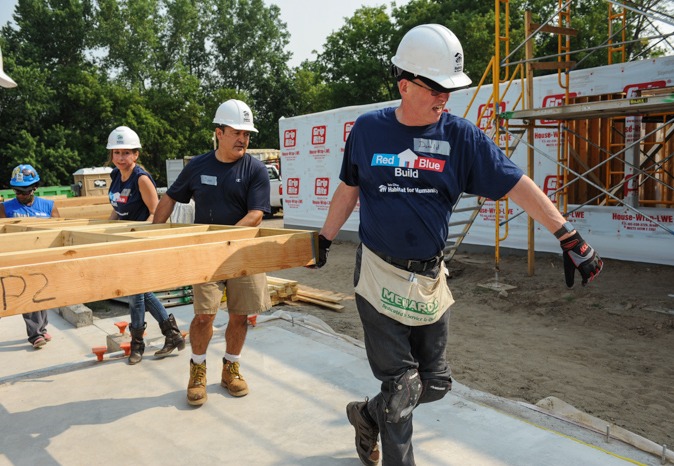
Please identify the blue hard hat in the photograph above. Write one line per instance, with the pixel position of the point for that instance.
(24, 175)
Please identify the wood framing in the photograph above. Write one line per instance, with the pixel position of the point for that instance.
(91, 207)
(58, 262)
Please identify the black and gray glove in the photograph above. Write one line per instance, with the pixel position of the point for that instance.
(323, 250)
(580, 255)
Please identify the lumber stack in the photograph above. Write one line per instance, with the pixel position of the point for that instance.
(289, 291)
(281, 290)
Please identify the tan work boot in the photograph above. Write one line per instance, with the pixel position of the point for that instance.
(232, 380)
(196, 388)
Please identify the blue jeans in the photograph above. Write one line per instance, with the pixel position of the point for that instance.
(392, 350)
(138, 303)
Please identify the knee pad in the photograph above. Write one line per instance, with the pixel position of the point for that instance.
(434, 389)
(403, 396)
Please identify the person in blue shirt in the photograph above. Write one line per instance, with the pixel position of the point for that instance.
(133, 196)
(25, 180)
(229, 187)
(407, 166)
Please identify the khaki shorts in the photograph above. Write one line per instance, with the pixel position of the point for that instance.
(245, 295)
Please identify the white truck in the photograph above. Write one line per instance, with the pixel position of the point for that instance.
(276, 189)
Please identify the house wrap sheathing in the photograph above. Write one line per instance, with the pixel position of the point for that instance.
(312, 147)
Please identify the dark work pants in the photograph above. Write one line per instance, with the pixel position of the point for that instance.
(393, 349)
(36, 324)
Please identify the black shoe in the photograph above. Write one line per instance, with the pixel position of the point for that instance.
(366, 433)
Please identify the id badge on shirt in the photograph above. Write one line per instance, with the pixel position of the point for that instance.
(209, 180)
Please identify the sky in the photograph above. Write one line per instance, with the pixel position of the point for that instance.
(308, 21)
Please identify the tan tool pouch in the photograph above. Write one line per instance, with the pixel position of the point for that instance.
(406, 297)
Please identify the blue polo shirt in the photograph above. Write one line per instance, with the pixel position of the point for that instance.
(223, 192)
(410, 177)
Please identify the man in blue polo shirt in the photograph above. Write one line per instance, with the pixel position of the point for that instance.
(229, 187)
(407, 166)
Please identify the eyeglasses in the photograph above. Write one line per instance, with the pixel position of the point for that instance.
(433, 92)
(23, 192)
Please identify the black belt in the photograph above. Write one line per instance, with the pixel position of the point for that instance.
(412, 265)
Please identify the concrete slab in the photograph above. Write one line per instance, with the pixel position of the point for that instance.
(58, 405)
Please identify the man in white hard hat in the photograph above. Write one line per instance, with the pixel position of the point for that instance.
(424, 157)
(5, 81)
(229, 187)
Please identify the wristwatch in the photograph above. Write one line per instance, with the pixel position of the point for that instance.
(566, 228)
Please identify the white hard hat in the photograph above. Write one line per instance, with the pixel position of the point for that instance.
(236, 114)
(432, 51)
(5, 81)
(123, 137)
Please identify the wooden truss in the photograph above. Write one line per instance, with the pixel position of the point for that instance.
(49, 263)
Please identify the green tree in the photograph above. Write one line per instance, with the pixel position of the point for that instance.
(471, 21)
(249, 57)
(154, 57)
(44, 121)
(355, 62)
(163, 66)
(309, 93)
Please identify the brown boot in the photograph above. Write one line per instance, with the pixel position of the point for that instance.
(137, 344)
(232, 380)
(196, 388)
(174, 339)
(366, 433)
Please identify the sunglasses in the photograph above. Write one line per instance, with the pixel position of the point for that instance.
(433, 92)
(23, 192)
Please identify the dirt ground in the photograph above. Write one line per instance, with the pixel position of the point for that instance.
(606, 349)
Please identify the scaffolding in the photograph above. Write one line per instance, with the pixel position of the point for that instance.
(613, 149)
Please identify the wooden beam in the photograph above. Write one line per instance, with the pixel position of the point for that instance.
(85, 244)
(81, 201)
(13, 242)
(116, 266)
(13, 225)
(563, 31)
(46, 285)
(100, 211)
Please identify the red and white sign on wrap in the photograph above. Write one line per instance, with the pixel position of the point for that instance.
(312, 148)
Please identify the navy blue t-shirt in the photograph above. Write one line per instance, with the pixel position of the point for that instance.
(223, 192)
(125, 196)
(411, 176)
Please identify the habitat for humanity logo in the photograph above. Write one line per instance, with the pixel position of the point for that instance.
(408, 163)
